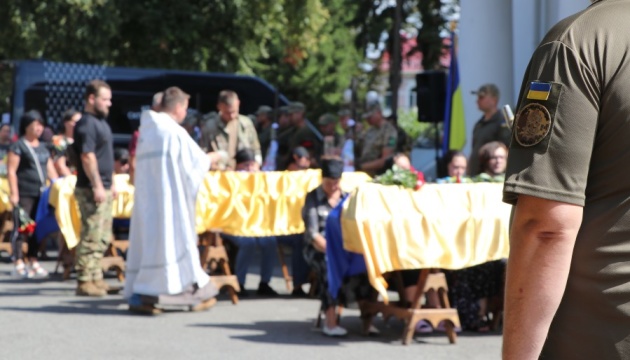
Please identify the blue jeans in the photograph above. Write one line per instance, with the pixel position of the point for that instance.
(299, 267)
(246, 249)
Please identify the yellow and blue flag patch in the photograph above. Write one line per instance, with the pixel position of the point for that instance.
(539, 91)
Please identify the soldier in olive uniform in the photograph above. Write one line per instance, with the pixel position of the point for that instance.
(229, 132)
(304, 135)
(568, 282)
(491, 126)
(378, 143)
(285, 132)
(263, 126)
(327, 125)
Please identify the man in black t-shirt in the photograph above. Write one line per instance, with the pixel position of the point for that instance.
(93, 192)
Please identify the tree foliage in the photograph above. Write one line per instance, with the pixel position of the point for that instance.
(309, 49)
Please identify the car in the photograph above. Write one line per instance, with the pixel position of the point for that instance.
(54, 87)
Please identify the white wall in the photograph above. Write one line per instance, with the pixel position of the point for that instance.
(485, 52)
(496, 41)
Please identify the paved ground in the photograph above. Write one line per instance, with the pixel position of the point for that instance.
(42, 319)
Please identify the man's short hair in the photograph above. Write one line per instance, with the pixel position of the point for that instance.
(94, 86)
(227, 97)
(157, 99)
(488, 89)
(121, 154)
(173, 96)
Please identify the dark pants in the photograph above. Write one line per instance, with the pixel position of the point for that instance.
(29, 205)
(299, 267)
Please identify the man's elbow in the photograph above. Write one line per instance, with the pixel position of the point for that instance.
(546, 220)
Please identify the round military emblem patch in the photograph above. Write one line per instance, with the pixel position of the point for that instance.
(532, 124)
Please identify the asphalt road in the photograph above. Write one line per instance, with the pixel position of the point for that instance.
(43, 319)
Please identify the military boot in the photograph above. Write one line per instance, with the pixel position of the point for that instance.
(88, 288)
(101, 284)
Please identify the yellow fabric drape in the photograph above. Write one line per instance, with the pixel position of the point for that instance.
(5, 203)
(449, 226)
(67, 211)
(237, 203)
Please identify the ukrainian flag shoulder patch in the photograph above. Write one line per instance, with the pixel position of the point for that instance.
(539, 91)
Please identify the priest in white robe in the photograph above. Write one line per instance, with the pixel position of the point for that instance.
(163, 266)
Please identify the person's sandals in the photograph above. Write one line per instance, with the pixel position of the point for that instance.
(38, 271)
(20, 270)
(424, 327)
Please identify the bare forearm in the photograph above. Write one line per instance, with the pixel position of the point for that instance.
(541, 246)
(63, 170)
(90, 165)
(13, 187)
(51, 170)
(319, 243)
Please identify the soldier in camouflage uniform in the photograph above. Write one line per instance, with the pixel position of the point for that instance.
(229, 132)
(378, 143)
(93, 191)
(327, 125)
(263, 127)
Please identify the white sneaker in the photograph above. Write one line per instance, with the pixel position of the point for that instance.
(334, 332)
(21, 271)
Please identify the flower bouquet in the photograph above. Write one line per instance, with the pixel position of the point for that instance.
(398, 176)
(27, 225)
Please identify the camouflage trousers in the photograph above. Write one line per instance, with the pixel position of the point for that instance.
(96, 233)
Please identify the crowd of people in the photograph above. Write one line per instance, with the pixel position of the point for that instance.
(166, 160)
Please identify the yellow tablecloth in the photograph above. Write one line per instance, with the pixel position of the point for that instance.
(5, 203)
(245, 204)
(448, 226)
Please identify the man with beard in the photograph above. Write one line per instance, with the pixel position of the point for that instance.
(93, 191)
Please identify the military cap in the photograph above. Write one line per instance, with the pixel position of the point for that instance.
(264, 109)
(344, 112)
(487, 89)
(327, 119)
(296, 106)
(371, 109)
(283, 110)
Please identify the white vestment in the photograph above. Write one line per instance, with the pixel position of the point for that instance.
(163, 258)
